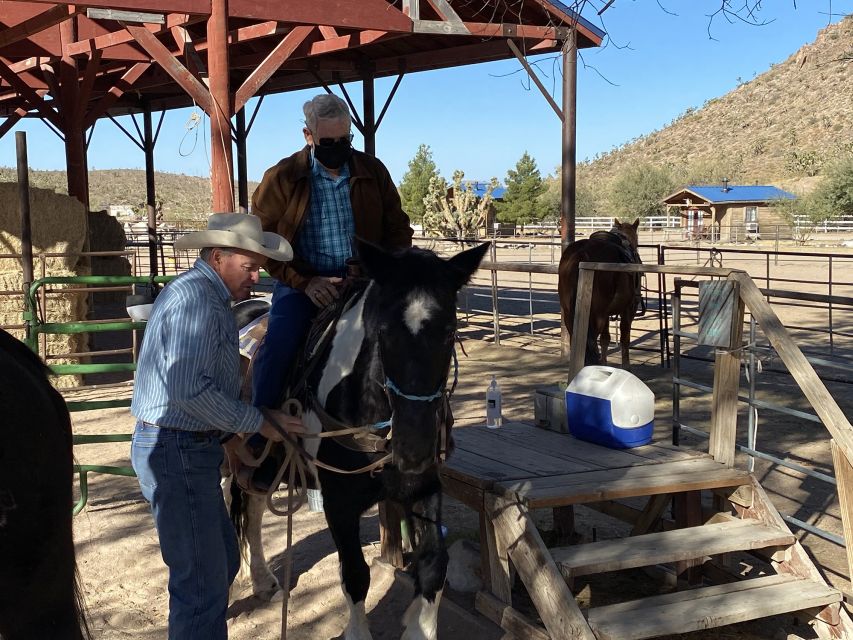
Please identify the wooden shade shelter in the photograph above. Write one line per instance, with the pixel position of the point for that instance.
(70, 64)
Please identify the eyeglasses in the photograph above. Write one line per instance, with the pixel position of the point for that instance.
(331, 142)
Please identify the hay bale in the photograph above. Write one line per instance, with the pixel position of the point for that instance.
(59, 225)
(107, 234)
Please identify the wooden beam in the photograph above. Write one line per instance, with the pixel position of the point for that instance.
(11, 121)
(88, 83)
(844, 477)
(725, 396)
(186, 47)
(28, 93)
(530, 72)
(124, 84)
(179, 73)
(554, 603)
(815, 391)
(270, 65)
(364, 14)
(115, 38)
(586, 279)
(199, 7)
(42, 21)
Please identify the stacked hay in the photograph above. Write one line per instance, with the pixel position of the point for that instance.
(58, 226)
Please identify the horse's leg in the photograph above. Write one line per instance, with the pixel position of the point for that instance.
(604, 336)
(264, 583)
(421, 618)
(625, 337)
(355, 574)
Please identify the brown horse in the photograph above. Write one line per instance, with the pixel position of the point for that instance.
(613, 294)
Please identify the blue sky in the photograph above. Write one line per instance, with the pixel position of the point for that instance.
(481, 118)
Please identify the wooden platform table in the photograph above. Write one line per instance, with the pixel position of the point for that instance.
(504, 473)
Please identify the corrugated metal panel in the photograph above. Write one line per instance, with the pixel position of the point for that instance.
(753, 193)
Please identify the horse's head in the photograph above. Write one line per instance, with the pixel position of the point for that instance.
(628, 230)
(412, 310)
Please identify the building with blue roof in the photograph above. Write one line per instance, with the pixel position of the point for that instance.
(733, 211)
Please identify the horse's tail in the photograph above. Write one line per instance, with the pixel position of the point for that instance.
(238, 513)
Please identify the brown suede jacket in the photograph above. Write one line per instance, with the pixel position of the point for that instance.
(281, 201)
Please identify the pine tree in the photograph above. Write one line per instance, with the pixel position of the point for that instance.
(415, 184)
(524, 185)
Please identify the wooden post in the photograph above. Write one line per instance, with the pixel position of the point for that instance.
(150, 191)
(221, 162)
(586, 279)
(24, 208)
(844, 477)
(242, 168)
(570, 94)
(726, 385)
(369, 111)
(72, 113)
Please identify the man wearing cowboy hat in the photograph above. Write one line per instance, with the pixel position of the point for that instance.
(185, 396)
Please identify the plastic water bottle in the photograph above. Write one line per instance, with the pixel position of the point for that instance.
(493, 405)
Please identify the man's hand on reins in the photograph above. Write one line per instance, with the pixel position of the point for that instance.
(291, 424)
(322, 291)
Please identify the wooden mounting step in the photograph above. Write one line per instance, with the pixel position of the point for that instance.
(669, 546)
(708, 607)
(647, 480)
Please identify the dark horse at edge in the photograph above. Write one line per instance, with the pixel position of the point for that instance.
(39, 591)
(386, 364)
(613, 293)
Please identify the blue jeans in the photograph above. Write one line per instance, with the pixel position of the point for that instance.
(290, 319)
(179, 473)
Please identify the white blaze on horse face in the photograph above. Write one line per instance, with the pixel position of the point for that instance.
(419, 309)
(346, 345)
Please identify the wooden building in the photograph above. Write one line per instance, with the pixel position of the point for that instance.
(729, 212)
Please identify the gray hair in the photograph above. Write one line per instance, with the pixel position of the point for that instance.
(325, 106)
(207, 252)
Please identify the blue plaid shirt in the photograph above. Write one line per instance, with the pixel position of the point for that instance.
(325, 239)
(188, 374)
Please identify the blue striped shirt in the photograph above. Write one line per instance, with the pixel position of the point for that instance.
(325, 239)
(188, 374)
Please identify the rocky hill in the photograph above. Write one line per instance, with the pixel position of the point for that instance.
(183, 197)
(779, 128)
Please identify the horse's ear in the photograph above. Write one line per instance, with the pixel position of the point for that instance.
(466, 263)
(616, 222)
(375, 260)
(636, 224)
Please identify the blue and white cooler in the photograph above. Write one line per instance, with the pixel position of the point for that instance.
(610, 407)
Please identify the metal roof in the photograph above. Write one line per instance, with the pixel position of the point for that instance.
(716, 194)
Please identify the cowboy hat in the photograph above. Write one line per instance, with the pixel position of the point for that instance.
(238, 231)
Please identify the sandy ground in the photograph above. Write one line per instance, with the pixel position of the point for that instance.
(125, 579)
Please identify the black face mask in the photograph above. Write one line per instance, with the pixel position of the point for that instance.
(335, 155)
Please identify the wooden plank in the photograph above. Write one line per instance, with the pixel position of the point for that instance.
(553, 601)
(29, 94)
(651, 513)
(178, 72)
(725, 396)
(676, 270)
(497, 564)
(630, 487)
(844, 477)
(514, 623)
(282, 51)
(708, 607)
(718, 313)
(532, 75)
(800, 368)
(40, 22)
(669, 546)
(603, 476)
(468, 465)
(364, 14)
(122, 86)
(467, 494)
(581, 322)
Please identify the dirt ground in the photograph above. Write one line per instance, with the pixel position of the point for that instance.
(125, 580)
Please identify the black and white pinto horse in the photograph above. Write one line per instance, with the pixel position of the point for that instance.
(39, 594)
(387, 363)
